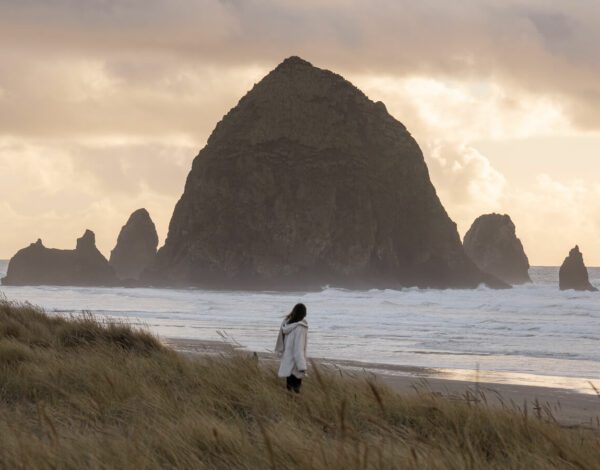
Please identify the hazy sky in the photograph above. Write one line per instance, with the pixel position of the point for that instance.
(104, 103)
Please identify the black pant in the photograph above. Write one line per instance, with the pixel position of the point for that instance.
(294, 383)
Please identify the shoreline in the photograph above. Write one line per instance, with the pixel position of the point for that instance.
(568, 406)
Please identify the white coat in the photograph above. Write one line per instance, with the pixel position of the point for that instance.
(291, 348)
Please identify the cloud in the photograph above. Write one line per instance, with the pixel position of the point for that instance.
(534, 45)
(468, 177)
(132, 169)
(553, 216)
(56, 191)
(144, 100)
(552, 212)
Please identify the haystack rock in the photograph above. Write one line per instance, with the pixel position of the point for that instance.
(492, 244)
(136, 246)
(307, 183)
(83, 266)
(573, 273)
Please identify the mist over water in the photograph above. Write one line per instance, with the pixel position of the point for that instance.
(532, 329)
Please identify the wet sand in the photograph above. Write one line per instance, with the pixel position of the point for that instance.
(569, 407)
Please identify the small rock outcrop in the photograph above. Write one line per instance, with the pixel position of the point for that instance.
(83, 266)
(136, 246)
(492, 244)
(307, 183)
(573, 273)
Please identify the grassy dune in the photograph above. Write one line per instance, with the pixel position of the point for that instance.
(81, 393)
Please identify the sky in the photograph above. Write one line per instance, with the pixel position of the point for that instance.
(105, 103)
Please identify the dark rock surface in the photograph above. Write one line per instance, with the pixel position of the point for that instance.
(492, 244)
(306, 183)
(83, 266)
(573, 273)
(136, 246)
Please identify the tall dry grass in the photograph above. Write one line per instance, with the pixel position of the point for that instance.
(81, 393)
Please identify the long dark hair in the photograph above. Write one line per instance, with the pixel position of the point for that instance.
(297, 314)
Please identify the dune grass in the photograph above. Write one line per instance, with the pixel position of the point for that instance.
(83, 393)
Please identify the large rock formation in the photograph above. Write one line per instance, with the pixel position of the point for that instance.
(136, 246)
(573, 273)
(306, 183)
(83, 266)
(492, 244)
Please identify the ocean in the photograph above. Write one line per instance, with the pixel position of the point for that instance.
(532, 334)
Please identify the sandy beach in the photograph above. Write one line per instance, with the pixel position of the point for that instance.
(568, 407)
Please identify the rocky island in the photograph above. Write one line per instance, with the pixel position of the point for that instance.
(573, 273)
(492, 244)
(136, 246)
(83, 266)
(307, 183)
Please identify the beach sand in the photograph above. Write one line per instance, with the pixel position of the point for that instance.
(569, 407)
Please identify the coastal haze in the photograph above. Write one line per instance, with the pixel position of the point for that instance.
(532, 334)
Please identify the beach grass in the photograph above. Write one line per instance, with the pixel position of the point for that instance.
(83, 392)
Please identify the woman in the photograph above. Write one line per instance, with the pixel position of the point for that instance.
(291, 347)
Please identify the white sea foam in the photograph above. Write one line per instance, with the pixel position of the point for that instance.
(532, 329)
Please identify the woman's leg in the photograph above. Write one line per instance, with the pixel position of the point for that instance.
(298, 384)
(294, 383)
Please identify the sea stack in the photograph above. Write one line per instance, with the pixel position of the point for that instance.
(573, 273)
(308, 183)
(136, 246)
(492, 244)
(83, 266)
